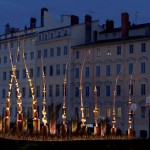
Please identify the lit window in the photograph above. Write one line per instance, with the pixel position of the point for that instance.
(118, 111)
(108, 112)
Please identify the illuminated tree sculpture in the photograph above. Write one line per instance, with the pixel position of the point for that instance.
(19, 122)
(114, 129)
(95, 111)
(130, 130)
(44, 119)
(63, 128)
(36, 120)
(83, 119)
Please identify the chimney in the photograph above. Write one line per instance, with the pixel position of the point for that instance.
(125, 25)
(109, 25)
(74, 19)
(88, 28)
(32, 23)
(42, 16)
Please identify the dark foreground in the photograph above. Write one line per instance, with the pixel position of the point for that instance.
(7, 144)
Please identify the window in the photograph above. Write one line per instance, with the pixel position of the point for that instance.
(31, 55)
(5, 60)
(130, 68)
(131, 49)
(87, 71)
(77, 55)
(143, 47)
(76, 91)
(10, 74)
(3, 93)
(57, 69)
(58, 51)
(87, 111)
(4, 75)
(87, 91)
(107, 90)
(39, 54)
(118, 68)
(51, 70)
(52, 35)
(25, 56)
(38, 71)
(50, 90)
(57, 90)
(51, 52)
(44, 69)
(17, 74)
(98, 52)
(64, 69)
(5, 46)
(11, 45)
(76, 113)
(23, 92)
(18, 57)
(108, 112)
(38, 91)
(45, 53)
(31, 73)
(98, 91)
(107, 70)
(30, 95)
(98, 71)
(65, 50)
(143, 111)
(118, 111)
(118, 50)
(143, 69)
(24, 74)
(77, 73)
(143, 90)
(131, 89)
(118, 90)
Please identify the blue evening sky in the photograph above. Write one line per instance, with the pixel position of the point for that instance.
(18, 12)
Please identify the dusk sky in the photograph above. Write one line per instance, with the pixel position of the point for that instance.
(18, 12)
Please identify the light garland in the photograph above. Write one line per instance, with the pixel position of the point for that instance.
(44, 119)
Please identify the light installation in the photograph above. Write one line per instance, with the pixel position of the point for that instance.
(19, 101)
(36, 120)
(44, 119)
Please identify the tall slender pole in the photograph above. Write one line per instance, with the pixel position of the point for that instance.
(36, 121)
(114, 129)
(83, 119)
(130, 121)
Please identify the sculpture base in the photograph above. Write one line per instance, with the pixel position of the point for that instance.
(96, 130)
(45, 130)
(131, 133)
(113, 131)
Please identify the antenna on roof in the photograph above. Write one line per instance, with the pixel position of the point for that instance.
(90, 12)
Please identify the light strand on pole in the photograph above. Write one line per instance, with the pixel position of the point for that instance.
(114, 100)
(83, 119)
(130, 99)
(95, 111)
(44, 119)
(34, 101)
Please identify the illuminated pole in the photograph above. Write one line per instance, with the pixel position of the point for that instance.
(83, 119)
(44, 119)
(36, 121)
(95, 111)
(130, 130)
(114, 129)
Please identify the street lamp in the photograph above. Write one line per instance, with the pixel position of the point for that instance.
(133, 109)
(148, 106)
